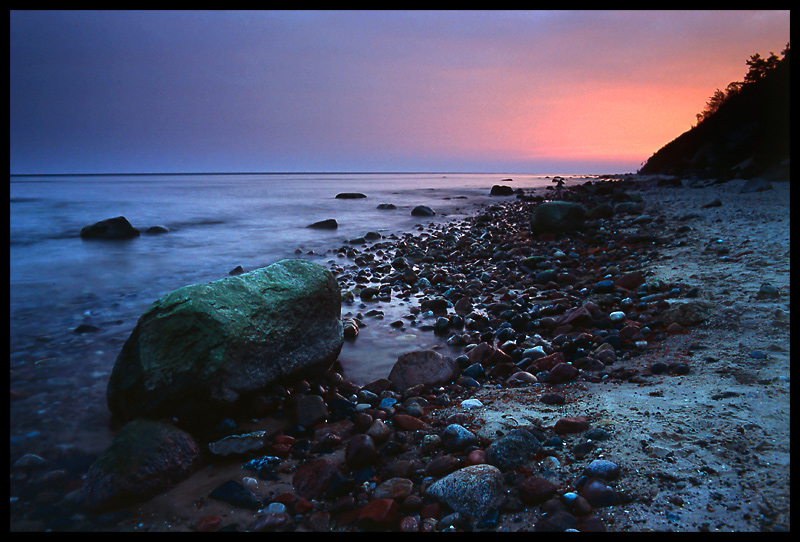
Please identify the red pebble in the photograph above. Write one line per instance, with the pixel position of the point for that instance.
(476, 457)
(208, 524)
(378, 513)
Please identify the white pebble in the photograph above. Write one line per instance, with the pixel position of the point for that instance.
(471, 403)
(617, 316)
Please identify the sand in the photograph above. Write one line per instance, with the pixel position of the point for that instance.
(710, 449)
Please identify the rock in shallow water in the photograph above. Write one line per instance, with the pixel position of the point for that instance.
(144, 458)
(426, 367)
(110, 229)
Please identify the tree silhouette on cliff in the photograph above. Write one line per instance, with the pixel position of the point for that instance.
(743, 130)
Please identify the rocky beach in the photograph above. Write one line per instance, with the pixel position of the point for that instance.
(609, 356)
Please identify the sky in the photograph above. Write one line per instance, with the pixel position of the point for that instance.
(569, 92)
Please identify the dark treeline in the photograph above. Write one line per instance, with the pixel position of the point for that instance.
(742, 132)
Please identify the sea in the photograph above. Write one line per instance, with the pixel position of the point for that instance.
(74, 302)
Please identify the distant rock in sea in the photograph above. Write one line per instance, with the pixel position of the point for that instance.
(422, 210)
(501, 190)
(156, 230)
(329, 224)
(350, 195)
(110, 229)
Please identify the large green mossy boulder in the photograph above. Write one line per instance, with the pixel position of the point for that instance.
(201, 348)
(557, 217)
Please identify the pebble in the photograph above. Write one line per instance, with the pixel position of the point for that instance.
(232, 492)
(472, 490)
(602, 468)
(575, 424)
(536, 490)
(470, 404)
(513, 450)
(456, 437)
(378, 513)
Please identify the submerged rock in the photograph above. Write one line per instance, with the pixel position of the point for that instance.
(110, 229)
(198, 349)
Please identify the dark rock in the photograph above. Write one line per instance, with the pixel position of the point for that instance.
(155, 230)
(598, 493)
(536, 490)
(456, 437)
(378, 514)
(387, 206)
(473, 491)
(602, 468)
(426, 367)
(110, 229)
(567, 425)
(557, 217)
(422, 210)
(361, 451)
(513, 450)
(144, 458)
(350, 195)
(557, 522)
(563, 372)
(552, 399)
(232, 492)
(328, 224)
(311, 479)
(501, 190)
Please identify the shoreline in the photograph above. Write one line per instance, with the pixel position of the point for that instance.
(687, 258)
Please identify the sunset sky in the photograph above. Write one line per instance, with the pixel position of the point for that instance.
(463, 91)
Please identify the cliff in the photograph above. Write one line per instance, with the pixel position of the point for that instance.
(746, 136)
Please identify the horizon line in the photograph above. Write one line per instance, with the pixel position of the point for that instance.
(131, 174)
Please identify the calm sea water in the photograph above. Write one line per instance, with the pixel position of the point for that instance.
(59, 281)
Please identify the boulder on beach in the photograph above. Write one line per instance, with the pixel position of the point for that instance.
(145, 458)
(557, 217)
(328, 224)
(426, 367)
(110, 229)
(200, 348)
(501, 190)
